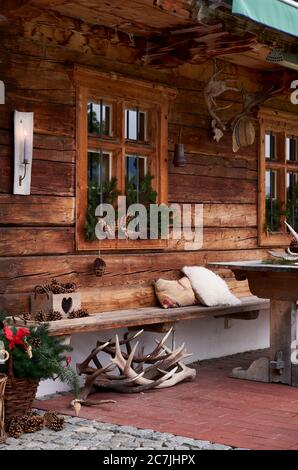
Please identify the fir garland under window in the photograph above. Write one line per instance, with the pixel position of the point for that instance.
(145, 195)
(109, 194)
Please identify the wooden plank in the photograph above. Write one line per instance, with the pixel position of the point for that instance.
(200, 141)
(102, 298)
(225, 215)
(53, 178)
(29, 241)
(216, 166)
(229, 238)
(205, 189)
(230, 215)
(45, 147)
(149, 316)
(21, 274)
(49, 118)
(36, 210)
(111, 298)
(48, 178)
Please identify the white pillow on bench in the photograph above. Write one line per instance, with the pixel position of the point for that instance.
(210, 289)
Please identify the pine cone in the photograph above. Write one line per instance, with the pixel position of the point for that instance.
(41, 316)
(54, 316)
(78, 314)
(34, 341)
(32, 423)
(70, 287)
(56, 287)
(14, 429)
(53, 422)
(26, 316)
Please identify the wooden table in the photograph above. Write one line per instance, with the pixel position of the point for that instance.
(279, 283)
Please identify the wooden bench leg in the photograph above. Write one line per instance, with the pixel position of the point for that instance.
(278, 368)
(282, 333)
(258, 371)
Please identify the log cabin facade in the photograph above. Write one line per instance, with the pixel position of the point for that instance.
(163, 52)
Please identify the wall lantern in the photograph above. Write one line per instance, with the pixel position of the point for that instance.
(2, 92)
(179, 156)
(23, 150)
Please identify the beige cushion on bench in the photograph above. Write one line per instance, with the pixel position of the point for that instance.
(172, 294)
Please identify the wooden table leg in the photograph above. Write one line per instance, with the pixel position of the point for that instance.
(282, 333)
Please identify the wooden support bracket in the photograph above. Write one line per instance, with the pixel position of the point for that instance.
(155, 328)
(241, 316)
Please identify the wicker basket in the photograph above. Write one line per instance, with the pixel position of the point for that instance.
(19, 396)
(3, 379)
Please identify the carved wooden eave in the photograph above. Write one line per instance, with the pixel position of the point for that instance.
(162, 33)
(195, 45)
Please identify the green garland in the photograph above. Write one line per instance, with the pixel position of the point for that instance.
(110, 194)
(147, 196)
(275, 210)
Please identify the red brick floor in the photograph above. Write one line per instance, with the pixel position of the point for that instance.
(214, 407)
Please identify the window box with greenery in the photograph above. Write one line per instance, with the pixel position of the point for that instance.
(122, 140)
(278, 177)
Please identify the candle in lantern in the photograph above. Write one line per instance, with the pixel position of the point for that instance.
(25, 146)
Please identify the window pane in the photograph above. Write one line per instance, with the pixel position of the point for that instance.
(270, 146)
(98, 163)
(291, 149)
(135, 125)
(273, 211)
(292, 197)
(99, 119)
(136, 169)
(271, 184)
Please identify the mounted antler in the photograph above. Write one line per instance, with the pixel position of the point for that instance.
(251, 100)
(213, 90)
(137, 372)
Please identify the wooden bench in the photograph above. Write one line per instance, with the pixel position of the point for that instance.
(150, 317)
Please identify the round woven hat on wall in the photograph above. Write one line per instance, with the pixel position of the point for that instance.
(244, 134)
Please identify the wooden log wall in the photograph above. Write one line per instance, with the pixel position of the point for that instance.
(37, 232)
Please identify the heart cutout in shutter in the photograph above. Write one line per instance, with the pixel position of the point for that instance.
(66, 304)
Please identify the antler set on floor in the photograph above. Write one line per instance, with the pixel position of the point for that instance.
(136, 372)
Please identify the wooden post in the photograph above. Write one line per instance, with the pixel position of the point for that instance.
(282, 333)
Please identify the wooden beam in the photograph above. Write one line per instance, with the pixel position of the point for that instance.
(147, 316)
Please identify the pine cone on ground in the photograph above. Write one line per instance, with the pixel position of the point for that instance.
(41, 316)
(78, 314)
(14, 429)
(32, 423)
(54, 316)
(53, 422)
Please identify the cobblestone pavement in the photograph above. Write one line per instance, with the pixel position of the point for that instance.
(83, 434)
